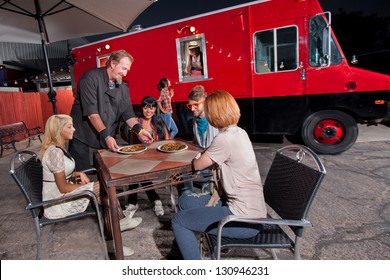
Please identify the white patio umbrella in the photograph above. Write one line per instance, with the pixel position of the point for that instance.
(44, 21)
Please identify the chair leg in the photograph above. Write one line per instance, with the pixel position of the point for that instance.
(274, 256)
(173, 200)
(297, 248)
(38, 230)
(101, 228)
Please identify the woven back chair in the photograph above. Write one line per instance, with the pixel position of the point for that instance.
(289, 189)
(26, 169)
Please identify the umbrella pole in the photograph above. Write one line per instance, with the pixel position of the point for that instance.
(52, 93)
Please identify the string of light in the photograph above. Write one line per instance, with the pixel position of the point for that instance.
(33, 78)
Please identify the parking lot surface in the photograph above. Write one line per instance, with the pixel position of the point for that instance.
(351, 213)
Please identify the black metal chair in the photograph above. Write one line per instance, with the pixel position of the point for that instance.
(26, 169)
(289, 189)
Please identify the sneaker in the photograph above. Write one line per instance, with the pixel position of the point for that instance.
(130, 210)
(111, 249)
(129, 223)
(158, 208)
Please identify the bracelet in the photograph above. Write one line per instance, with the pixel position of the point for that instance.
(140, 131)
(104, 134)
(137, 128)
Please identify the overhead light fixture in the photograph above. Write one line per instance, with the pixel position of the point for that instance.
(105, 47)
(191, 29)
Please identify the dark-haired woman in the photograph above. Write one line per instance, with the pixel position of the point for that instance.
(152, 122)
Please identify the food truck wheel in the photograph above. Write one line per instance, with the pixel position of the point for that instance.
(329, 132)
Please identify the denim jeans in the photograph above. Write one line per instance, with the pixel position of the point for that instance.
(187, 188)
(170, 123)
(194, 217)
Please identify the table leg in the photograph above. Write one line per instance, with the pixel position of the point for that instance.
(116, 231)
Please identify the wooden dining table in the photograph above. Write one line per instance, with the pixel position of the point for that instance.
(158, 168)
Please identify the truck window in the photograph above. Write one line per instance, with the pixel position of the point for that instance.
(191, 54)
(276, 50)
(319, 51)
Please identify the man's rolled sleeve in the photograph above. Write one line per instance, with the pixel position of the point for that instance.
(88, 96)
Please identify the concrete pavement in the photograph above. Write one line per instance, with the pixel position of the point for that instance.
(351, 213)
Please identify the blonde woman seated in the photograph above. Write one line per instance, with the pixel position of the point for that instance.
(60, 179)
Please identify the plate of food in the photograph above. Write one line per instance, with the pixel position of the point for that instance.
(172, 147)
(132, 149)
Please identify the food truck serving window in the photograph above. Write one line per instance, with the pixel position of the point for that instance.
(191, 58)
(276, 50)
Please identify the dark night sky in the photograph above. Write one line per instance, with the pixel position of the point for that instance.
(369, 7)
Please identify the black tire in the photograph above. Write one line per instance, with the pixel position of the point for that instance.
(329, 132)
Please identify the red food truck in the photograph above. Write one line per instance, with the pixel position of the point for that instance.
(278, 58)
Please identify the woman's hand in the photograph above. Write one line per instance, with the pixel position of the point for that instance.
(213, 199)
(81, 178)
(145, 137)
(198, 65)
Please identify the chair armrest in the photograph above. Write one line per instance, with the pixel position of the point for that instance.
(82, 194)
(269, 221)
(260, 221)
(90, 170)
(36, 129)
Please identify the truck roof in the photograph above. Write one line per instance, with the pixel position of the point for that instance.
(175, 21)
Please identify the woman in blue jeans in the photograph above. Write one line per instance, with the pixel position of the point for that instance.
(241, 190)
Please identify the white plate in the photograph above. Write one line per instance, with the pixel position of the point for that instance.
(172, 151)
(120, 150)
